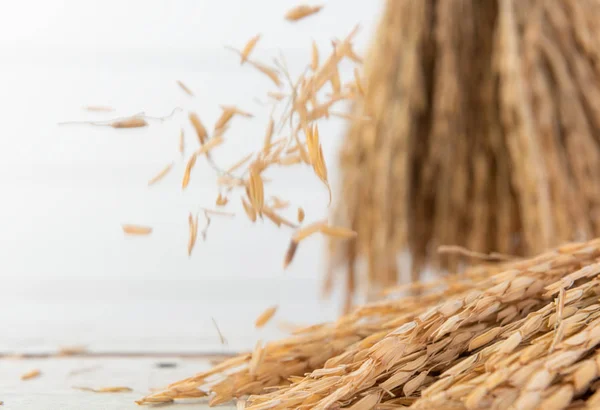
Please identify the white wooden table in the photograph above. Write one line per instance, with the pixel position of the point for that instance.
(54, 388)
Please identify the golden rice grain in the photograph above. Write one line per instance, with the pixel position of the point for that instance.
(315, 152)
(290, 253)
(276, 95)
(265, 316)
(314, 61)
(133, 122)
(221, 200)
(160, 175)
(185, 88)
(136, 229)
(225, 117)
(257, 356)
(210, 145)
(181, 142)
(309, 230)
(248, 48)
(193, 232)
(277, 219)
(199, 127)
(472, 254)
(256, 189)
(300, 216)
(188, 170)
(290, 160)
(301, 11)
(31, 374)
(337, 232)
(278, 203)
(235, 111)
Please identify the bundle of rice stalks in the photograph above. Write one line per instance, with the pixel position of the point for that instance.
(521, 334)
(484, 134)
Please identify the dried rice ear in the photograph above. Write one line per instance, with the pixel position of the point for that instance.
(520, 334)
(483, 135)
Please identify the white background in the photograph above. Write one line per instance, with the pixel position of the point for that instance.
(68, 275)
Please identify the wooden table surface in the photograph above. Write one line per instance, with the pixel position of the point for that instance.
(55, 388)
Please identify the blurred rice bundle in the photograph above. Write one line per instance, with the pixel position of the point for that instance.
(485, 133)
(521, 334)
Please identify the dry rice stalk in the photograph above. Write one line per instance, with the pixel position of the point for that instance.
(483, 134)
(136, 229)
(221, 337)
(31, 374)
(482, 341)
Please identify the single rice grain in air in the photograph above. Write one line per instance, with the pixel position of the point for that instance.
(248, 48)
(300, 215)
(301, 11)
(199, 127)
(185, 88)
(136, 229)
(160, 174)
(265, 316)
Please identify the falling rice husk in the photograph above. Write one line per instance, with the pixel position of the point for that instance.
(477, 340)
